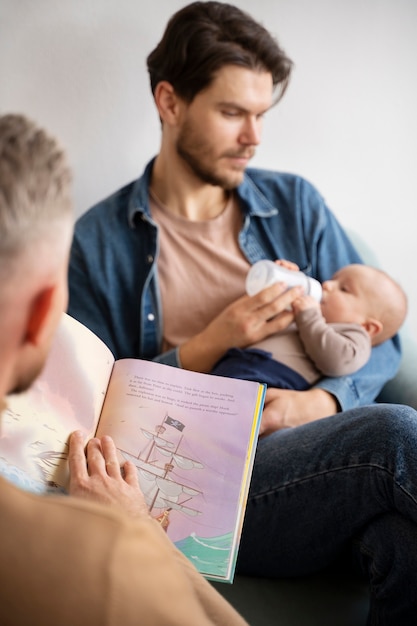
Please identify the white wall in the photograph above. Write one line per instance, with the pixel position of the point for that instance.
(347, 123)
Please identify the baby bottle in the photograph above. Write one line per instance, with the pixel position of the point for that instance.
(265, 273)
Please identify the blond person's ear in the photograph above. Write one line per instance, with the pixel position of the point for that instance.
(38, 315)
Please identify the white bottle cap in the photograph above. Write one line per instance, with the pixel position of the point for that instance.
(315, 289)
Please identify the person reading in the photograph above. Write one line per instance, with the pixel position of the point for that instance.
(94, 557)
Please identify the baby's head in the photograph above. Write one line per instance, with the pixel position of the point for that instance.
(367, 296)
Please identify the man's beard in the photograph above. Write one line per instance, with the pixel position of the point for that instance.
(188, 146)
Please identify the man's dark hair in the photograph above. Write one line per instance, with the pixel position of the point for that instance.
(203, 37)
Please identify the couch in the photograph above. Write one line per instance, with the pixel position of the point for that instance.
(322, 600)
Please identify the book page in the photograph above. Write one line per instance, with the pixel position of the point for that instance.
(68, 395)
(191, 438)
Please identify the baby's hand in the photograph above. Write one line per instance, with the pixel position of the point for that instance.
(289, 265)
(303, 303)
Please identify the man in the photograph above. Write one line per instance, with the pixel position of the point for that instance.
(211, 102)
(158, 270)
(97, 557)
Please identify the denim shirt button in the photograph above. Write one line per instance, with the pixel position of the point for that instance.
(151, 317)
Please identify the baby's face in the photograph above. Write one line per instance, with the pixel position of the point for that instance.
(345, 295)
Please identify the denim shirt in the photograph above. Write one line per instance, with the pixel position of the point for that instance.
(113, 276)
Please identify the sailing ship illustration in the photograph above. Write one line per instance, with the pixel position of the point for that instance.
(156, 464)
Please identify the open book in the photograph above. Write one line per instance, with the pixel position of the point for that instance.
(191, 436)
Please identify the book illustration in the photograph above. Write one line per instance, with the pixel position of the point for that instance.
(162, 472)
(33, 453)
(154, 469)
(67, 396)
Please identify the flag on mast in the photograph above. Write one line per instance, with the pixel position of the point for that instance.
(174, 422)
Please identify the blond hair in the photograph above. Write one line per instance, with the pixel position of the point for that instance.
(35, 185)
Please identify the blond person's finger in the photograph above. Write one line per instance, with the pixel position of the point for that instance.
(113, 466)
(109, 453)
(95, 459)
(76, 456)
(130, 474)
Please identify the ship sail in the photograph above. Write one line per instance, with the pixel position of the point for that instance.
(184, 509)
(159, 441)
(183, 462)
(160, 490)
(171, 488)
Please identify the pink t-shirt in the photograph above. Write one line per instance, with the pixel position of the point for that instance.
(201, 269)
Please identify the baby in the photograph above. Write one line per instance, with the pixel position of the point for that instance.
(361, 307)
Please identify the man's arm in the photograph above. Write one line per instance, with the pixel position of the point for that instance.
(96, 475)
(88, 562)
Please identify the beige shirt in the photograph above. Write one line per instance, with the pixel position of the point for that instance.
(67, 562)
(201, 269)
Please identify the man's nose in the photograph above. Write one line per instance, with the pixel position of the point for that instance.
(251, 133)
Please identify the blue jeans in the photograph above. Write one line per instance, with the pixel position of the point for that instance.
(254, 364)
(347, 481)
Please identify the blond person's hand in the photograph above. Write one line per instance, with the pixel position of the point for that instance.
(96, 475)
(285, 408)
(246, 321)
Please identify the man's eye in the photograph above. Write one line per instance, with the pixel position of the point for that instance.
(231, 113)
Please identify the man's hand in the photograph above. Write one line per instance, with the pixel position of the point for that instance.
(244, 322)
(96, 474)
(285, 408)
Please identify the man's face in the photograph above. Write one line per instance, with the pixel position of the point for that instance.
(220, 129)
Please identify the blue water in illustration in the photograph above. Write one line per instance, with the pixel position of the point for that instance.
(210, 555)
(21, 479)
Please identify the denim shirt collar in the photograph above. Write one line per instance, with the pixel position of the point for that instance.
(139, 198)
(252, 200)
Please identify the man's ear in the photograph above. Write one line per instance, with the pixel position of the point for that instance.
(38, 315)
(373, 327)
(167, 102)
